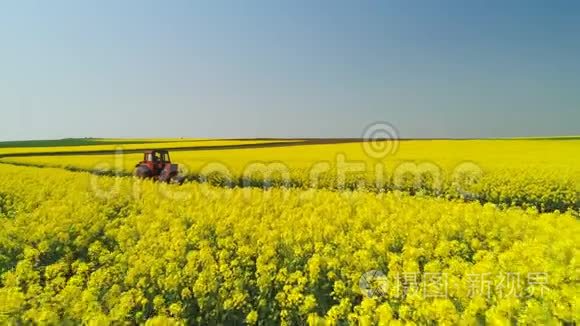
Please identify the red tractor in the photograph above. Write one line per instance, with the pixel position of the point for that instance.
(157, 165)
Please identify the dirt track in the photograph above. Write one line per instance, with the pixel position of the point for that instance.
(276, 142)
(298, 142)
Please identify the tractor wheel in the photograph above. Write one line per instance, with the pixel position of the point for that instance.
(178, 179)
(142, 172)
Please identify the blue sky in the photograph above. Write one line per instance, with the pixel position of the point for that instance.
(288, 69)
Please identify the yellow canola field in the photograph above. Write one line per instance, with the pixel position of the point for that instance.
(88, 249)
(540, 173)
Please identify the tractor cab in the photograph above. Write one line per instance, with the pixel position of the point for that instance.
(156, 156)
(155, 160)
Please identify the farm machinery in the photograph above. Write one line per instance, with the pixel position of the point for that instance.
(157, 165)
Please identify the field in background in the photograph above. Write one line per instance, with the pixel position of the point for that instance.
(86, 142)
(104, 146)
(544, 173)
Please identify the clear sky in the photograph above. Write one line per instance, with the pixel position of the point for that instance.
(288, 68)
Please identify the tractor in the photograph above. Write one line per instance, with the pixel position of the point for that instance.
(157, 165)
